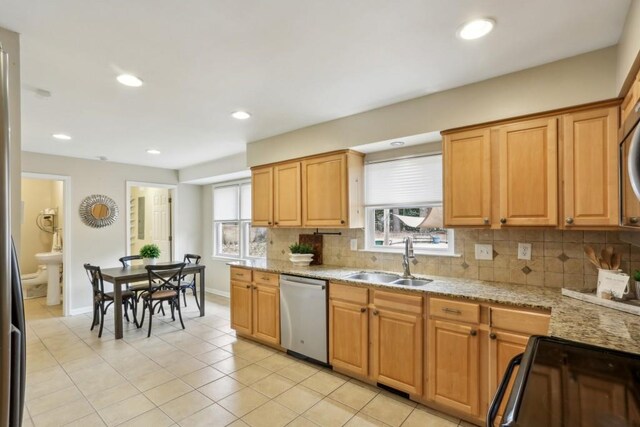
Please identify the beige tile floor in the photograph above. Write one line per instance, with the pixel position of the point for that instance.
(202, 376)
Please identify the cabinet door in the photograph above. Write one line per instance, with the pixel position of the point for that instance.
(453, 360)
(503, 347)
(591, 168)
(529, 173)
(241, 307)
(349, 337)
(396, 344)
(266, 313)
(467, 178)
(262, 197)
(324, 191)
(630, 203)
(287, 209)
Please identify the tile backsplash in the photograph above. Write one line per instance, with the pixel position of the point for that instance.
(557, 257)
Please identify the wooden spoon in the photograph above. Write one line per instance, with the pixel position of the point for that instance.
(615, 261)
(606, 259)
(591, 256)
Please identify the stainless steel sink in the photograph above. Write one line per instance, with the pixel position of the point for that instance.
(373, 277)
(411, 282)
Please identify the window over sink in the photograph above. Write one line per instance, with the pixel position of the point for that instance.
(233, 235)
(403, 198)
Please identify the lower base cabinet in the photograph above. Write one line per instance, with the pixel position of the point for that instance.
(241, 304)
(349, 329)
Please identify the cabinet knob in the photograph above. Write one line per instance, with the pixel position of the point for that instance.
(485, 220)
(276, 223)
(375, 312)
(363, 309)
(503, 220)
(473, 333)
(633, 220)
(342, 221)
(248, 286)
(492, 336)
(569, 220)
(269, 223)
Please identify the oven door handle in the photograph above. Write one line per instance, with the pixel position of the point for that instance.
(502, 388)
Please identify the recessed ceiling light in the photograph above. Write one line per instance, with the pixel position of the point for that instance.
(397, 143)
(240, 115)
(476, 28)
(61, 136)
(129, 80)
(153, 151)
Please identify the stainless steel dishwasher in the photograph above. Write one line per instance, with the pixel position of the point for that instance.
(303, 317)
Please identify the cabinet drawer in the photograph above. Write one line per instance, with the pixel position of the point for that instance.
(520, 321)
(349, 293)
(398, 302)
(454, 310)
(264, 278)
(240, 274)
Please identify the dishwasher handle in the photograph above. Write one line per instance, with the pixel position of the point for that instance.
(307, 286)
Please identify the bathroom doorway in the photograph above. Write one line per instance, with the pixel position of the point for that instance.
(43, 239)
(151, 213)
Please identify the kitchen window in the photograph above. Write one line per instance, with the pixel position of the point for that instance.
(403, 198)
(233, 235)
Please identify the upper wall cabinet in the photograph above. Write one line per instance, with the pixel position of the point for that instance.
(318, 191)
(590, 168)
(275, 195)
(467, 178)
(529, 172)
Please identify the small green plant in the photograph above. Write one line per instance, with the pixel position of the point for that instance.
(636, 275)
(300, 248)
(150, 251)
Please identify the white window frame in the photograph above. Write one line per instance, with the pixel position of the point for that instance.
(244, 226)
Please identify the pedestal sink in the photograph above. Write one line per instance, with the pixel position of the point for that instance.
(53, 261)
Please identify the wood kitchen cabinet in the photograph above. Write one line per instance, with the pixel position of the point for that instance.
(397, 340)
(276, 196)
(349, 329)
(590, 168)
(255, 304)
(332, 190)
(467, 178)
(528, 162)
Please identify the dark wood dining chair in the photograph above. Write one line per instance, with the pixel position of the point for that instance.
(102, 300)
(164, 285)
(138, 287)
(188, 281)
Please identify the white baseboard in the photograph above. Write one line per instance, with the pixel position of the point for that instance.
(81, 310)
(219, 293)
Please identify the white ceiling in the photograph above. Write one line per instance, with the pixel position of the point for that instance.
(291, 63)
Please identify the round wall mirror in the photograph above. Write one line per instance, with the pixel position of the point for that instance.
(98, 211)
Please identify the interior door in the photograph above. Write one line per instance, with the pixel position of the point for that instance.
(161, 222)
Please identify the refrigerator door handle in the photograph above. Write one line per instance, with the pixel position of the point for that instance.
(17, 380)
(502, 389)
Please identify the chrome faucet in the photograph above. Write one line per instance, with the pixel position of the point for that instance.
(408, 254)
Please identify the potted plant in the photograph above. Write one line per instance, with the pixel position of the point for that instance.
(301, 254)
(150, 254)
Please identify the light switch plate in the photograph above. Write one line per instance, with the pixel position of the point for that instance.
(354, 244)
(524, 251)
(484, 252)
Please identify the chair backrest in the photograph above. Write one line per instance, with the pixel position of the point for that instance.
(192, 258)
(95, 277)
(126, 260)
(164, 276)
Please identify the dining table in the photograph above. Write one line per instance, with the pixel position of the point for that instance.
(119, 276)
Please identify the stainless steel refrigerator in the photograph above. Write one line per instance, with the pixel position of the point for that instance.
(12, 325)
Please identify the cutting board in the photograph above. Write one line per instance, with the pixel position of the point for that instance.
(316, 243)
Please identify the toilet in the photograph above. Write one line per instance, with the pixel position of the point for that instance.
(34, 285)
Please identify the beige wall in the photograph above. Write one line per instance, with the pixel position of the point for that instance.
(105, 245)
(629, 44)
(37, 195)
(11, 44)
(577, 80)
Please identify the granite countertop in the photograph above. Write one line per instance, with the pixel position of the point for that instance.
(570, 318)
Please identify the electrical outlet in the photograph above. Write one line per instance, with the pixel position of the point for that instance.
(354, 244)
(484, 252)
(524, 251)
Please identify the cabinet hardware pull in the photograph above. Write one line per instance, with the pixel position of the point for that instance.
(248, 286)
(451, 310)
(375, 312)
(363, 309)
(503, 220)
(569, 220)
(265, 278)
(473, 333)
(633, 220)
(269, 223)
(276, 223)
(342, 221)
(492, 336)
(485, 220)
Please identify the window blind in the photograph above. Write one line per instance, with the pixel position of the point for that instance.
(225, 203)
(245, 201)
(413, 181)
